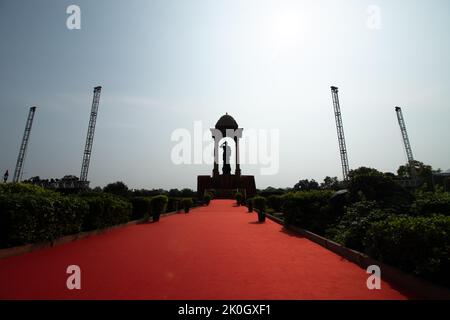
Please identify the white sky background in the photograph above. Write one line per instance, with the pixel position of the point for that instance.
(270, 64)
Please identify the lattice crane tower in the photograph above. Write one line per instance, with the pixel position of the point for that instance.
(90, 134)
(340, 132)
(409, 153)
(23, 147)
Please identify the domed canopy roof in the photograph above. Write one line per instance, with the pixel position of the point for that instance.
(226, 122)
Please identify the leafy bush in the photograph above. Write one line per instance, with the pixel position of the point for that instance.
(352, 229)
(372, 185)
(173, 204)
(117, 188)
(106, 210)
(30, 214)
(212, 192)
(187, 204)
(24, 188)
(239, 198)
(420, 245)
(207, 199)
(188, 193)
(306, 185)
(310, 210)
(141, 208)
(250, 204)
(260, 203)
(70, 213)
(275, 202)
(148, 193)
(428, 203)
(158, 204)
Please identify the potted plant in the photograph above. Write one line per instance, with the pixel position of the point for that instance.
(250, 205)
(260, 205)
(187, 203)
(158, 205)
(239, 198)
(207, 199)
(141, 208)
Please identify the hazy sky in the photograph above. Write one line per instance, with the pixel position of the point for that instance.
(164, 64)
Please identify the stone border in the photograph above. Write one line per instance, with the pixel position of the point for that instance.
(17, 251)
(423, 289)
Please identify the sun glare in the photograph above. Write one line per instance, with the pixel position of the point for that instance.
(287, 28)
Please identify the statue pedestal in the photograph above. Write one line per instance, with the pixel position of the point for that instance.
(225, 186)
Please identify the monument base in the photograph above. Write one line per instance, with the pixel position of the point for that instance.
(225, 187)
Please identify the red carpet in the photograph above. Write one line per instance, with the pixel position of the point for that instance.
(215, 252)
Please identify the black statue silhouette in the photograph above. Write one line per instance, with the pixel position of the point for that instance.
(226, 169)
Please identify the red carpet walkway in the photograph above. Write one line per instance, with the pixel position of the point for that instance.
(215, 252)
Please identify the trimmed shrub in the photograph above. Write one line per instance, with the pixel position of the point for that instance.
(260, 203)
(310, 210)
(70, 213)
(207, 199)
(25, 188)
(212, 192)
(106, 210)
(250, 204)
(420, 245)
(187, 204)
(22, 219)
(141, 208)
(275, 202)
(30, 214)
(173, 204)
(239, 198)
(158, 206)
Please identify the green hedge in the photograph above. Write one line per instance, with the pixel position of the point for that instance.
(70, 212)
(30, 214)
(158, 204)
(275, 202)
(207, 198)
(24, 188)
(239, 198)
(260, 203)
(310, 210)
(105, 210)
(250, 204)
(420, 245)
(186, 204)
(173, 204)
(141, 207)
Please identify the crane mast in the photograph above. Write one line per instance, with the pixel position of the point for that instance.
(90, 135)
(340, 132)
(401, 122)
(23, 147)
(407, 144)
